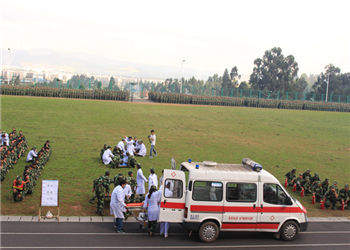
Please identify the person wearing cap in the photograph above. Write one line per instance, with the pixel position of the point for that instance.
(118, 206)
(140, 180)
(107, 156)
(291, 177)
(142, 151)
(319, 193)
(31, 155)
(152, 179)
(151, 203)
(325, 184)
(344, 196)
(331, 197)
(307, 173)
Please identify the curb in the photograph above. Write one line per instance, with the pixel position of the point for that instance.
(99, 219)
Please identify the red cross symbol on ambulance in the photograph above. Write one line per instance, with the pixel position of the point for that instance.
(173, 174)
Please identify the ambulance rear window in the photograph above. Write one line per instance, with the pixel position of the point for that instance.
(207, 191)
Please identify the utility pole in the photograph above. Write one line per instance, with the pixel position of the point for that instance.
(182, 65)
(327, 88)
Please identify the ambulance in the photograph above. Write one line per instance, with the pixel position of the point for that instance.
(229, 197)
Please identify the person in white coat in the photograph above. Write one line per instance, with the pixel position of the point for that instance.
(107, 156)
(142, 151)
(118, 206)
(140, 180)
(152, 179)
(151, 203)
(129, 141)
(121, 145)
(31, 155)
(164, 226)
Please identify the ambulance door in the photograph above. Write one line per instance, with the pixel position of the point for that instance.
(240, 206)
(275, 205)
(172, 204)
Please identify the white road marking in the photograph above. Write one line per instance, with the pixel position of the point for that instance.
(131, 234)
(181, 247)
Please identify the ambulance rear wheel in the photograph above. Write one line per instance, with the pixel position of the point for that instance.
(289, 230)
(208, 232)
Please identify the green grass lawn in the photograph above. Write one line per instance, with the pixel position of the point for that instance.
(77, 129)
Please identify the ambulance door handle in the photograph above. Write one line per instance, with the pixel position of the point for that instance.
(254, 206)
(261, 206)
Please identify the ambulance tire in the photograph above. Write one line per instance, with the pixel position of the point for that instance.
(208, 232)
(289, 230)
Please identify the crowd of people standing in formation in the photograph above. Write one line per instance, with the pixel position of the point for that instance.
(24, 185)
(123, 154)
(130, 190)
(13, 146)
(328, 196)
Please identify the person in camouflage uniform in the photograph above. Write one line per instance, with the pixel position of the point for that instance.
(291, 177)
(132, 182)
(344, 196)
(300, 182)
(101, 188)
(307, 173)
(331, 197)
(325, 184)
(18, 186)
(307, 185)
(319, 193)
(131, 161)
(314, 181)
(117, 178)
(116, 161)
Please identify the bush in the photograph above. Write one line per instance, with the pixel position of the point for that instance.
(247, 102)
(65, 93)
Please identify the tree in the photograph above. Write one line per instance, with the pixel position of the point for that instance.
(274, 72)
(339, 83)
(111, 84)
(17, 80)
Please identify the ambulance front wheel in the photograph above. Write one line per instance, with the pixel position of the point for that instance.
(289, 230)
(208, 232)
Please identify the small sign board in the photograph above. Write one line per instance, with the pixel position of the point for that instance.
(49, 193)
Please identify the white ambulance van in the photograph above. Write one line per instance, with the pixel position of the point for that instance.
(229, 197)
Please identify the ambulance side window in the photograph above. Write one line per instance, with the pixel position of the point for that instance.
(241, 192)
(173, 188)
(207, 191)
(274, 194)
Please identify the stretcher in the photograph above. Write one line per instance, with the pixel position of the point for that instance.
(136, 210)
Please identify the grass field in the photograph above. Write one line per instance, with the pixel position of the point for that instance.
(77, 129)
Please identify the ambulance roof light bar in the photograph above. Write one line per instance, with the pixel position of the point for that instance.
(254, 165)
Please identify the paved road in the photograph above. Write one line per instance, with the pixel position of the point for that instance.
(50, 235)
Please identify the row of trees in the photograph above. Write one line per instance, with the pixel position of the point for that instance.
(274, 72)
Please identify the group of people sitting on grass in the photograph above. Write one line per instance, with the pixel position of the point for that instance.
(23, 186)
(123, 154)
(12, 147)
(327, 196)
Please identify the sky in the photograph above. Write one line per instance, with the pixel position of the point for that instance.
(209, 35)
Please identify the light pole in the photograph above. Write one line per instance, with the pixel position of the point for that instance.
(327, 88)
(182, 65)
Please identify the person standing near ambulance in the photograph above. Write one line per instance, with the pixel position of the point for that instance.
(140, 180)
(151, 203)
(118, 206)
